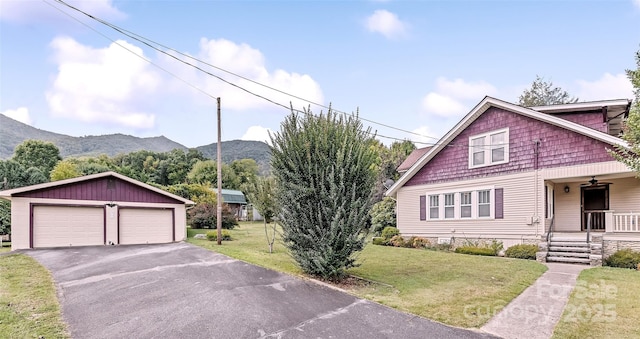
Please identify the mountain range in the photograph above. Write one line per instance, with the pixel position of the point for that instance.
(13, 132)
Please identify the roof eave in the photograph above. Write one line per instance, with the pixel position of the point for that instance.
(480, 108)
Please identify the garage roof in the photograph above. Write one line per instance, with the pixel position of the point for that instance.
(91, 187)
(232, 196)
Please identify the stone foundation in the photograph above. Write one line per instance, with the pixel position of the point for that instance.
(609, 247)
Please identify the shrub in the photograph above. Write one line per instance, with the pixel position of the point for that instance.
(213, 235)
(397, 241)
(389, 232)
(624, 258)
(417, 242)
(204, 215)
(523, 251)
(383, 214)
(379, 241)
(476, 250)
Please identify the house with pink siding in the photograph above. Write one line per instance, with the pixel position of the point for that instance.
(539, 175)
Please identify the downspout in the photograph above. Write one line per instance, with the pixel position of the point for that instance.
(536, 217)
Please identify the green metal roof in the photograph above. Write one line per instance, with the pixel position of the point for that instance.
(232, 196)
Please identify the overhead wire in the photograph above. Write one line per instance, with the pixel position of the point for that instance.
(152, 44)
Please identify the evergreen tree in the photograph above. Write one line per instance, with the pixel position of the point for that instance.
(325, 174)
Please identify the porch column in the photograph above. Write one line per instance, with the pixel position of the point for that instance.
(608, 222)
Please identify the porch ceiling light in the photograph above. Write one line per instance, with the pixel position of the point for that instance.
(566, 189)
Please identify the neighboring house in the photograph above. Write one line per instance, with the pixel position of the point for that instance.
(100, 209)
(522, 175)
(235, 199)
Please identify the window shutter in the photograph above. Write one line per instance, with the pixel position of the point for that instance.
(423, 207)
(499, 212)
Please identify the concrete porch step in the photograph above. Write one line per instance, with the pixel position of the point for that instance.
(582, 238)
(554, 248)
(570, 260)
(569, 254)
(568, 243)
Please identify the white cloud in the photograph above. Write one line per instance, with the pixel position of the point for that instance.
(442, 105)
(21, 11)
(427, 136)
(248, 62)
(258, 133)
(454, 97)
(108, 85)
(637, 3)
(387, 24)
(20, 114)
(460, 89)
(607, 87)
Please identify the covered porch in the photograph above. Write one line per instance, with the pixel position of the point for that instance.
(589, 217)
(602, 203)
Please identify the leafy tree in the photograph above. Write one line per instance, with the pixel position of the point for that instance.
(383, 214)
(324, 169)
(195, 192)
(261, 193)
(13, 175)
(35, 153)
(87, 168)
(206, 172)
(387, 162)
(246, 170)
(631, 156)
(5, 216)
(543, 93)
(204, 215)
(64, 169)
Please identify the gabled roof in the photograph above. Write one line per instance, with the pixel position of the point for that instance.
(9, 193)
(613, 111)
(412, 158)
(232, 196)
(482, 107)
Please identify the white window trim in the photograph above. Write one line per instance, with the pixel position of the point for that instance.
(488, 148)
(457, 200)
(549, 200)
(440, 207)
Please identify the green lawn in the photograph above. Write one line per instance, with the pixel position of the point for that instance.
(456, 289)
(28, 304)
(604, 304)
(6, 246)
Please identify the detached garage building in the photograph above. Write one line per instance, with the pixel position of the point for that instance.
(100, 209)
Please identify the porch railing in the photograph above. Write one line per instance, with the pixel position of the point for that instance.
(626, 222)
(594, 220)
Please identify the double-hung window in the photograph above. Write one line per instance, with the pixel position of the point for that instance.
(489, 149)
(484, 204)
(434, 206)
(449, 206)
(465, 205)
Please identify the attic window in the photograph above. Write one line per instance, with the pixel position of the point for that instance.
(489, 148)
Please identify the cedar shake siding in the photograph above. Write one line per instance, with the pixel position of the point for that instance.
(558, 147)
(595, 120)
(101, 189)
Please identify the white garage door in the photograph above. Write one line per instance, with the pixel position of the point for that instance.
(145, 226)
(58, 226)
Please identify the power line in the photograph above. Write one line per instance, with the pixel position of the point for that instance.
(130, 51)
(150, 43)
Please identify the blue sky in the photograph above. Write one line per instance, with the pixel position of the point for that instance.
(418, 66)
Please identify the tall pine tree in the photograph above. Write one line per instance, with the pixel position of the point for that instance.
(325, 173)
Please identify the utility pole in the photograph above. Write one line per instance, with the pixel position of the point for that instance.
(219, 214)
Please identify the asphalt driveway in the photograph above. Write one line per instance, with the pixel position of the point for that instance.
(183, 291)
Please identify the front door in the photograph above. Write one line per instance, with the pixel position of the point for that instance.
(595, 200)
